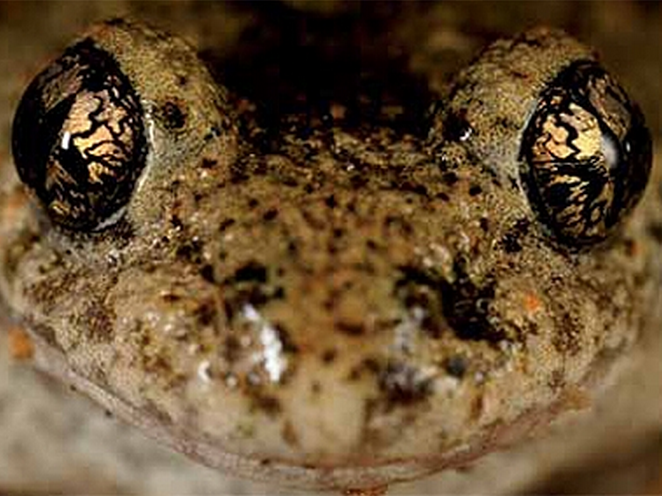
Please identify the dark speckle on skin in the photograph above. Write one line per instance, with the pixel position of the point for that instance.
(116, 21)
(191, 250)
(173, 115)
(329, 356)
(208, 163)
(250, 272)
(350, 328)
(403, 384)
(331, 201)
(398, 223)
(370, 366)
(270, 215)
(270, 405)
(655, 229)
(449, 178)
(288, 344)
(475, 190)
(512, 240)
(456, 366)
(225, 224)
(176, 222)
(567, 338)
(556, 380)
(206, 314)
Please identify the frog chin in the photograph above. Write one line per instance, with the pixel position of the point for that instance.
(330, 473)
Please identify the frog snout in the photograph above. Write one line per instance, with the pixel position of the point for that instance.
(321, 357)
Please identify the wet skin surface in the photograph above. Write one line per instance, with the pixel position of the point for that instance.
(344, 296)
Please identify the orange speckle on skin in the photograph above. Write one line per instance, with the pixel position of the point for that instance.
(532, 303)
(634, 249)
(20, 344)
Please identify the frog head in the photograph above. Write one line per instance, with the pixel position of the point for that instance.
(337, 305)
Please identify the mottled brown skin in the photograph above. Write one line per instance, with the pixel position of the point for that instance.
(349, 307)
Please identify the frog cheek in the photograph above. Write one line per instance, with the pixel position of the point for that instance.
(78, 138)
(586, 155)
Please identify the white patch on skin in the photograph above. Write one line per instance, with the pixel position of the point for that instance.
(405, 331)
(272, 355)
(203, 371)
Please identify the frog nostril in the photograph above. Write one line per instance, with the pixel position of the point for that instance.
(587, 154)
(172, 115)
(456, 127)
(78, 137)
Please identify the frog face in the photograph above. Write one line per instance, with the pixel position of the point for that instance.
(345, 305)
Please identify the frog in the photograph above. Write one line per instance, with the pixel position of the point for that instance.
(329, 302)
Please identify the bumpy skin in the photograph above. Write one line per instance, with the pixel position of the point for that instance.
(343, 306)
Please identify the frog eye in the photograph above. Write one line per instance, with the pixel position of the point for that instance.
(587, 154)
(78, 139)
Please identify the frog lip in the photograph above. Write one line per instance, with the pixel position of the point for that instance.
(323, 471)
